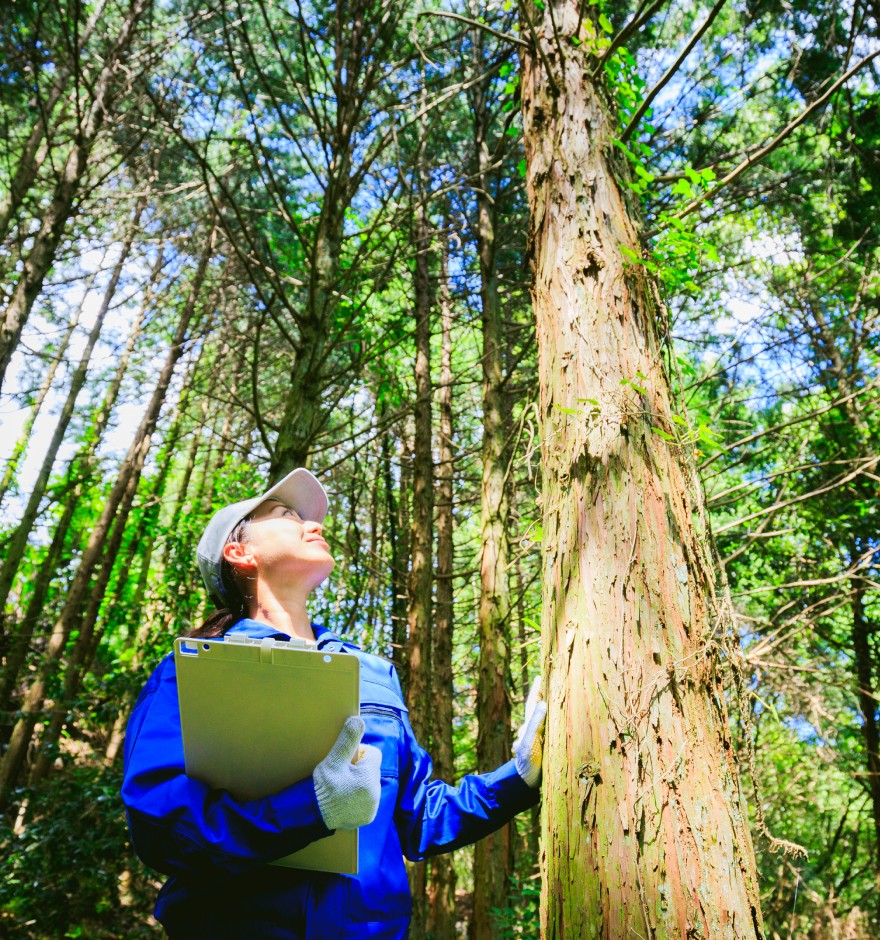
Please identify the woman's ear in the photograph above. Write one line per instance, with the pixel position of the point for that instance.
(239, 555)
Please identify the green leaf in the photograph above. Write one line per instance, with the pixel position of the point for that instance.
(664, 434)
(521, 166)
(605, 23)
(505, 69)
(683, 188)
(679, 420)
(531, 623)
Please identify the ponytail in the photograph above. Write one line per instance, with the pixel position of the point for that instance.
(236, 607)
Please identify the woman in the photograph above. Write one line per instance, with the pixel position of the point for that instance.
(260, 560)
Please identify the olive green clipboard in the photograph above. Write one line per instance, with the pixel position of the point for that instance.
(259, 715)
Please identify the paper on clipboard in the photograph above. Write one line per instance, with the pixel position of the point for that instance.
(259, 715)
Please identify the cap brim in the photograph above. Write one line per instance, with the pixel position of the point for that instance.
(300, 490)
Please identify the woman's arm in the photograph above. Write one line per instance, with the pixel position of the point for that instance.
(433, 817)
(181, 826)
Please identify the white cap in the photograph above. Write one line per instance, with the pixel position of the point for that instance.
(299, 490)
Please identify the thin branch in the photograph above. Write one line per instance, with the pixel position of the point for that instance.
(633, 26)
(777, 140)
(464, 19)
(670, 72)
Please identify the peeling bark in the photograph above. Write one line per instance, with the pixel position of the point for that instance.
(645, 831)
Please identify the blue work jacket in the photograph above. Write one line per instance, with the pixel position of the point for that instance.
(216, 849)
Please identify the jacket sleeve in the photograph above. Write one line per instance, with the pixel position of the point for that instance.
(182, 827)
(433, 817)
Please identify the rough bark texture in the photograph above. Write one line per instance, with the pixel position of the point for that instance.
(418, 650)
(441, 890)
(645, 832)
(492, 855)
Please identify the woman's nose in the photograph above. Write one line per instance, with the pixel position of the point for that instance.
(315, 527)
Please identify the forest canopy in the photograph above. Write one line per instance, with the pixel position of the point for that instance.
(484, 268)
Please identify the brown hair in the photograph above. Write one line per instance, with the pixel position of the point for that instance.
(236, 605)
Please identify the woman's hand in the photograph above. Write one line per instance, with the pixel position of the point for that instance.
(528, 748)
(348, 794)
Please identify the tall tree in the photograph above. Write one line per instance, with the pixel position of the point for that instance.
(120, 495)
(441, 890)
(645, 829)
(42, 252)
(418, 649)
(492, 855)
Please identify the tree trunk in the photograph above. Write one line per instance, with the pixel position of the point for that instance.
(80, 466)
(70, 613)
(18, 451)
(42, 253)
(36, 147)
(399, 556)
(418, 648)
(492, 855)
(18, 650)
(645, 830)
(18, 543)
(46, 752)
(441, 893)
(867, 696)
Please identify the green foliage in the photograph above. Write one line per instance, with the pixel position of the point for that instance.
(73, 873)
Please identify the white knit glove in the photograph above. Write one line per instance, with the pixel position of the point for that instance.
(528, 748)
(348, 794)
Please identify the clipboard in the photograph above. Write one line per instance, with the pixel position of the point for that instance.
(258, 715)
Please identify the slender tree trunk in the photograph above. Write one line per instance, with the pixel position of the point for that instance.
(398, 556)
(36, 147)
(18, 650)
(418, 650)
(441, 894)
(42, 253)
(18, 543)
(46, 752)
(645, 829)
(81, 466)
(828, 349)
(305, 411)
(867, 696)
(11, 467)
(492, 855)
(71, 612)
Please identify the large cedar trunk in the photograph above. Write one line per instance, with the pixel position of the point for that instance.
(644, 827)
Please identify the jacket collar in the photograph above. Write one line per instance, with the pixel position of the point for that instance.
(261, 630)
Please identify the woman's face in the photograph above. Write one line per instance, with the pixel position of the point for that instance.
(282, 547)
